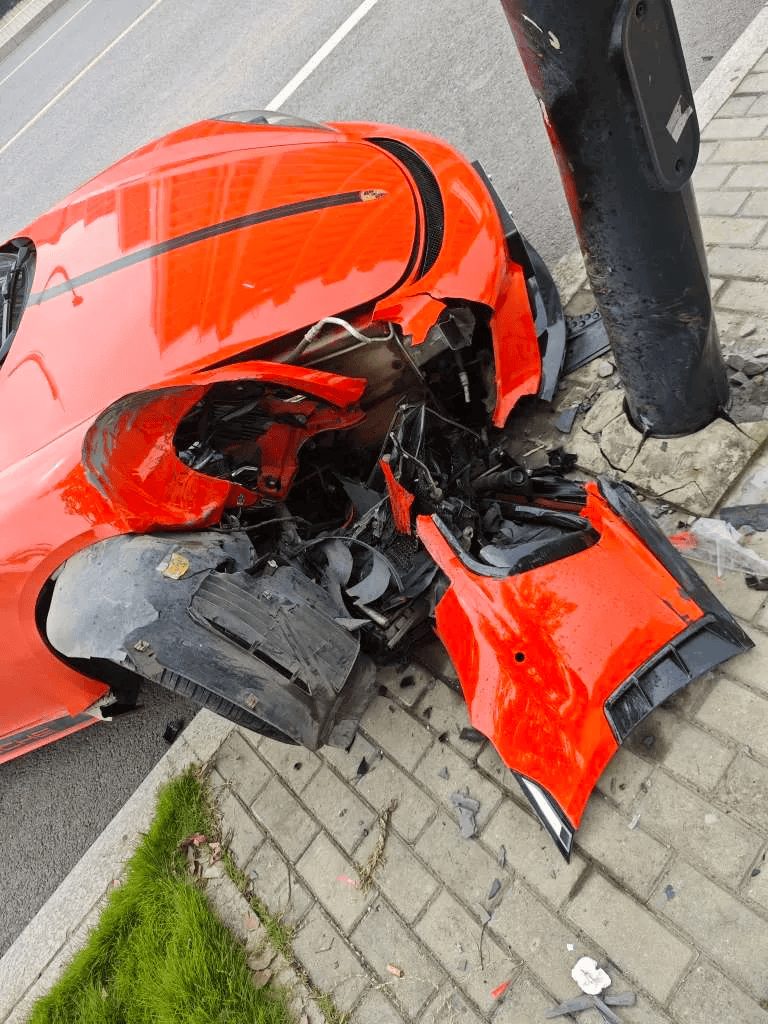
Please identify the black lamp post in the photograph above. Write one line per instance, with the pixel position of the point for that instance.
(614, 91)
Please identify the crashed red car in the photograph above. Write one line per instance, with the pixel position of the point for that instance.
(254, 379)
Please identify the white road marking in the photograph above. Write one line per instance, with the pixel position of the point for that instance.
(50, 37)
(73, 81)
(317, 58)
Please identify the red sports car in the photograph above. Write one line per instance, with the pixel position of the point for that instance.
(254, 379)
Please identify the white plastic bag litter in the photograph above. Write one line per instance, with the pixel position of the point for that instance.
(590, 978)
(718, 544)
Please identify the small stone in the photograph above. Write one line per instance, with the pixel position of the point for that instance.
(754, 872)
(746, 330)
(739, 380)
(605, 368)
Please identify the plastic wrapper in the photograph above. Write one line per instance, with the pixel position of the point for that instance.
(720, 545)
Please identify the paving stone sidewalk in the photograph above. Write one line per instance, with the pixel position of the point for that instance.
(668, 884)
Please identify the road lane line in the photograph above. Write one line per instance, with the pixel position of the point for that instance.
(317, 58)
(50, 37)
(73, 81)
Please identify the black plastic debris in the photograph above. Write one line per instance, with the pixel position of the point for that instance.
(406, 682)
(669, 892)
(363, 768)
(471, 735)
(755, 516)
(756, 582)
(173, 729)
(566, 419)
(466, 808)
(494, 889)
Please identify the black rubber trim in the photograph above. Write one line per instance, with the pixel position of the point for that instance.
(431, 199)
(201, 234)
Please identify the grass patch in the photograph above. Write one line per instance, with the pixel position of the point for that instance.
(159, 955)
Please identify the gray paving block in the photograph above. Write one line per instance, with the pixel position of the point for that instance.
(446, 712)
(450, 1007)
(523, 1002)
(395, 731)
(328, 960)
(347, 762)
(338, 808)
(294, 765)
(491, 763)
(387, 782)
(280, 814)
(461, 775)
(737, 712)
(375, 1006)
(632, 856)
(707, 995)
(650, 954)
(732, 230)
(239, 829)
(697, 756)
(384, 941)
(434, 657)
(400, 875)
(743, 791)
(748, 296)
(703, 833)
(540, 938)
(756, 205)
(735, 127)
(623, 777)
(730, 587)
(730, 933)
(749, 176)
(328, 873)
(531, 854)
(241, 767)
(275, 882)
(757, 82)
(752, 666)
(454, 938)
(720, 202)
(463, 865)
(712, 175)
(407, 683)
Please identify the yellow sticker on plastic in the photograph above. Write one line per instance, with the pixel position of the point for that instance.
(176, 567)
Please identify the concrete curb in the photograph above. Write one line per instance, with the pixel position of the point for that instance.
(40, 954)
(20, 22)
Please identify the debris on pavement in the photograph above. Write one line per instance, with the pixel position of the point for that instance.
(719, 544)
(670, 892)
(494, 889)
(173, 730)
(471, 735)
(755, 516)
(365, 871)
(466, 808)
(502, 856)
(590, 978)
(501, 989)
(587, 1002)
(397, 971)
(443, 773)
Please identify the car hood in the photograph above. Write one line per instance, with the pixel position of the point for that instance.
(193, 250)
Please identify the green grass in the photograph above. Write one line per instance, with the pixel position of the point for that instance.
(159, 955)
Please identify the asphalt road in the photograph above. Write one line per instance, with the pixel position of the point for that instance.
(98, 79)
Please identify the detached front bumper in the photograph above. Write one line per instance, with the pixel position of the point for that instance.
(559, 663)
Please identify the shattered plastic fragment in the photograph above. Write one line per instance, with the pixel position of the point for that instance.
(500, 990)
(589, 977)
(466, 809)
(397, 971)
(494, 889)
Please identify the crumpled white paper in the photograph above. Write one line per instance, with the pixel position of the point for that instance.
(589, 977)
